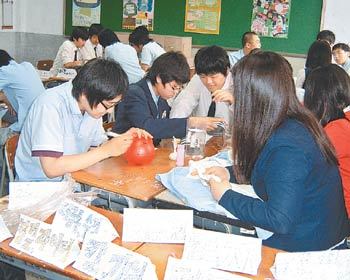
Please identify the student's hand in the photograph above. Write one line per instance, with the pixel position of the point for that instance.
(222, 96)
(206, 123)
(138, 132)
(118, 145)
(218, 189)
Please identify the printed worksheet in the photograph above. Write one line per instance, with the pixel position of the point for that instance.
(177, 269)
(4, 231)
(156, 225)
(107, 261)
(79, 221)
(224, 251)
(40, 240)
(320, 265)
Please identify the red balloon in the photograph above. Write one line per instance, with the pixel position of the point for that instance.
(140, 152)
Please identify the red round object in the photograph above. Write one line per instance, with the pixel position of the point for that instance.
(140, 152)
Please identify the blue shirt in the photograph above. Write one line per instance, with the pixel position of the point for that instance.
(21, 84)
(54, 127)
(126, 56)
(235, 56)
(302, 197)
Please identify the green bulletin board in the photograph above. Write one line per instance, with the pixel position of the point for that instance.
(236, 16)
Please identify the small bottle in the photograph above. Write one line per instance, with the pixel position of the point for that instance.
(180, 155)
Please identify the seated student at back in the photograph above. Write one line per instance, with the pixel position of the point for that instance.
(145, 104)
(69, 54)
(20, 84)
(281, 150)
(213, 75)
(327, 95)
(326, 35)
(124, 54)
(65, 121)
(92, 48)
(341, 53)
(147, 49)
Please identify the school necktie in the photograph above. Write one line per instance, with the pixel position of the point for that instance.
(75, 55)
(95, 49)
(212, 109)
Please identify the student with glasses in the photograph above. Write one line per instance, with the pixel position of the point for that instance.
(145, 104)
(64, 122)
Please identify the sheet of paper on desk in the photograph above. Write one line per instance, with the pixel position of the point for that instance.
(107, 261)
(321, 265)
(39, 240)
(4, 231)
(193, 270)
(79, 221)
(26, 194)
(66, 73)
(224, 251)
(156, 225)
(44, 74)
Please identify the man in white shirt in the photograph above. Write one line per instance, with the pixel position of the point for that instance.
(213, 75)
(69, 54)
(92, 48)
(250, 41)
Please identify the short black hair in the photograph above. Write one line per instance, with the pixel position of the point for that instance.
(247, 36)
(326, 35)
(211, 60)
(95, 29)
(79, 32)
(138, 39)
(342, 46)
(107, 37)
(170, 66)
(5, 58)
(98, 80)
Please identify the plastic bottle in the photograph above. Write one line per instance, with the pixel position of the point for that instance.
(180, 155)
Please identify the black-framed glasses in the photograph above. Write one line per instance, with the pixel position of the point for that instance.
(109, 107)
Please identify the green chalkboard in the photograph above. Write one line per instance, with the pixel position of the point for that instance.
(235, 19)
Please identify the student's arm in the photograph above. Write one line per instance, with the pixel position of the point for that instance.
(145, 67)
(67, 56)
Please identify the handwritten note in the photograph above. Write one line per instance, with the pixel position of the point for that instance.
(107, 261)
(192, 270)
(157, 226)
(79, 221)
(39, 240)
(224, 251)
(321, 265)
(4, 231)
(26, 194)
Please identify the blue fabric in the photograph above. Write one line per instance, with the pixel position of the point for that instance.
(138, 109)
(21, 84)
(302, 195)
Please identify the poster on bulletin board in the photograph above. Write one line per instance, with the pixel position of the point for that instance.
(138, 12)
(86, 12)
(203, 16)
(270, 18)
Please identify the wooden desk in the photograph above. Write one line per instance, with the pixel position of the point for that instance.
(159, 253)
(22, 260)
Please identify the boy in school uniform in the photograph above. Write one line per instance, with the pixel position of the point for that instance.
(20, 84)
(147, 49)
(341, 53)
(145, 104)
(92, 48)
(213, 77)
(326, 35)
(250, 41)
(65, 121)
(124, 54)
(69, 54)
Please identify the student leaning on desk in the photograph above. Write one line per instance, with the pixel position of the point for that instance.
(282, 151)
(65, 121)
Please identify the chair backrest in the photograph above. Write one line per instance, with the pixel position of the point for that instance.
(10, 151)
(44, 64)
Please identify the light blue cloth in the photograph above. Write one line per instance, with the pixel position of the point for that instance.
(235, 56)
(55, 125)
(126, 56)
(21, 85)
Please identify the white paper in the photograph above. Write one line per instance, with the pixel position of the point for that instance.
(193, 270)
(26, 194)
(39, 240)
(66, 73)
(320, 265)
(156, 225)
(224, 251)
(4, 231)
(79, 221)
(106, 261)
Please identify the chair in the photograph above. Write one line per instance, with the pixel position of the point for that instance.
(44, 64)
